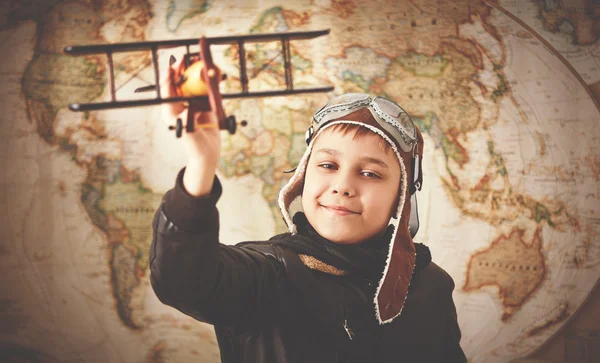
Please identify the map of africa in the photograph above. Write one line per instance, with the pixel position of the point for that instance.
(505, 93)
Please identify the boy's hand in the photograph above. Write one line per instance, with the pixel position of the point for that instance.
(202, 146)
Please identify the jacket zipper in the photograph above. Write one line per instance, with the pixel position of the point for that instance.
(346, 345)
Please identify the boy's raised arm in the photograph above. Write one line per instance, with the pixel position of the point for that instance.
(189, 269)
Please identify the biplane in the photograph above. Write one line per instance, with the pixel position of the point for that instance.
(205, 98)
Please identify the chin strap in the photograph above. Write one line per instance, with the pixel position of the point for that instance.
(309, 134)
(413, 223)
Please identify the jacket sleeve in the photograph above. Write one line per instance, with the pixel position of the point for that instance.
(192, 272)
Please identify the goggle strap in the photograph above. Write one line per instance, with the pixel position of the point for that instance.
(345, 108)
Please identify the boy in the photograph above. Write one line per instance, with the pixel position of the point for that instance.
(347, 283)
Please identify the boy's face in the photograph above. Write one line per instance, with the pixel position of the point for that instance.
(351, 187)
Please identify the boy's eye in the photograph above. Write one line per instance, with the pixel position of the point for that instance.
(327, 166)
(370, 174)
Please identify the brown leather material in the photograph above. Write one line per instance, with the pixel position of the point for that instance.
(394, 288)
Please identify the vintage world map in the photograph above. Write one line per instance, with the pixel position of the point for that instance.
(503, 92)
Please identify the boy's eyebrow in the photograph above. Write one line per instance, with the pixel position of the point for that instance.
(374, 161)
(329, 151)
(366, 159)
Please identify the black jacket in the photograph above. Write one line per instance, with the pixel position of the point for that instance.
(268, 307)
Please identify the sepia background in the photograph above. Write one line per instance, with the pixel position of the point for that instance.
(506, 93)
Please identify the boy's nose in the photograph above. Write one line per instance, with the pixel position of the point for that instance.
(343, 189)
(345, 193)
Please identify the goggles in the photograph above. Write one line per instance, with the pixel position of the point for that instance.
(390, 117)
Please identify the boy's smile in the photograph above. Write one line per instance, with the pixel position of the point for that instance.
(338, 209)
(351, 186)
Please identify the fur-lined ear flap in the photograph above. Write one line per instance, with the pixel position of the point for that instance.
(294, 191)
(394, 289)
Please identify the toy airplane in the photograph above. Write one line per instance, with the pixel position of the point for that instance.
(197, 81)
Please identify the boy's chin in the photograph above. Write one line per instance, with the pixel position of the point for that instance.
(340, 237)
